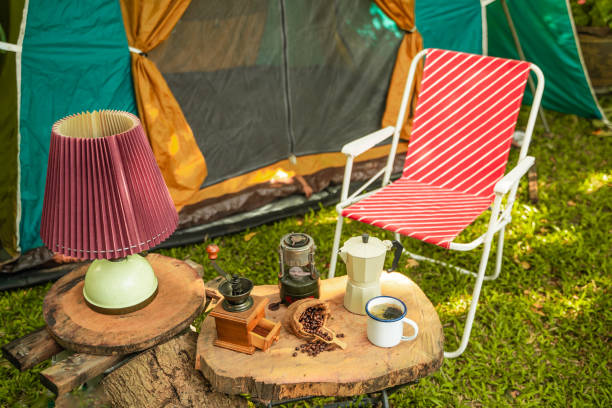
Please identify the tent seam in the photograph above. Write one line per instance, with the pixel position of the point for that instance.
(18, 54)
(583, 65)
(286, 82)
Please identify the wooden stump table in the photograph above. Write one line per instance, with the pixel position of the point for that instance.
(79, 328)
(102, 342)
(361, 368)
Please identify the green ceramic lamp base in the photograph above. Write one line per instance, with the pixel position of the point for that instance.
(119, 286)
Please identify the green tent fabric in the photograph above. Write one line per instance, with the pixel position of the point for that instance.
(450, 25)
(10, 22)
(547, 36)
(545, 30)
(79, 63)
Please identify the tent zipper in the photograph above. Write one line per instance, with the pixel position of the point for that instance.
(285, 74)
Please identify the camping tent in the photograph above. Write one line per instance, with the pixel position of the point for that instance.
(244, 102)
(270, 89)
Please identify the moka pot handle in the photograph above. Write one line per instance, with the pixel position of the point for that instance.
(396, 255)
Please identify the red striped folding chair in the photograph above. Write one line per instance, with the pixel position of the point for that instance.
(454, 170)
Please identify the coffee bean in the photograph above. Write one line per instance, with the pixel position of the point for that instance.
(274, 306)
(294, 354)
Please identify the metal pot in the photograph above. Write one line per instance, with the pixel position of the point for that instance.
(364, 257)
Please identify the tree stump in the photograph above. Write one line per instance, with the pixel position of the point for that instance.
(164, 376)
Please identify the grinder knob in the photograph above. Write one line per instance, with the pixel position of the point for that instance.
(213, 251)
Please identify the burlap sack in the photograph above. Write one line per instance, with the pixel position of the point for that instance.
(294, 312)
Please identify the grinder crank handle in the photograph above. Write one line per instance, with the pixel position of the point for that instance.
(396, 255)
(213, 251)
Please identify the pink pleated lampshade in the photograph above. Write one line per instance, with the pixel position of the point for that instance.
(105, 196)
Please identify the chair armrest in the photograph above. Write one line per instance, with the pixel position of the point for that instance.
(505, 184)
(356, 147)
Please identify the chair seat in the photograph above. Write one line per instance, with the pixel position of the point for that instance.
(430, 213)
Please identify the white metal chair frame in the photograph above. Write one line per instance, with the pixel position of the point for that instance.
(506, 186)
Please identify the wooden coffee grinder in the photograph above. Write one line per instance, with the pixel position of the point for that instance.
(240, 317)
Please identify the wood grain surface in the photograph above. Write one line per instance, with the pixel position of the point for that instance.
(361, 368)
(75, 370)
(27, 351)
(76, 327)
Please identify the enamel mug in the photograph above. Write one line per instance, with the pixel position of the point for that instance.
(388, 333)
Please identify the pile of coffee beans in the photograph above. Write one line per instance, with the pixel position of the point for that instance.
(314, 347)
(312, 322)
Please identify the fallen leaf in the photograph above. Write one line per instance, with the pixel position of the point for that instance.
(250, 235)
(412, 263)
(531, 339)
(515, 393)
(571, 203)
(525, 265)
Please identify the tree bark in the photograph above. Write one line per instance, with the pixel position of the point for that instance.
(165, 376)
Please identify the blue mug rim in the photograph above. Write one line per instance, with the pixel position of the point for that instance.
(383, 320)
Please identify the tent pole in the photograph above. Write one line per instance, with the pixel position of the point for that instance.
(485, 31)
(521, 54)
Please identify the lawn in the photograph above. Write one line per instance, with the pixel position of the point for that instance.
(542, 332)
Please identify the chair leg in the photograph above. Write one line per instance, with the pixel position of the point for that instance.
(335, 247)
(498, 261)
(445, 264)
(499, 256)
(473, 305)
(480, 277)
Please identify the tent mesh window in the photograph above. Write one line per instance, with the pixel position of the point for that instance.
(262, 80)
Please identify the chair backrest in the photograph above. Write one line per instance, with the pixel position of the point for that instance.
(464, 120)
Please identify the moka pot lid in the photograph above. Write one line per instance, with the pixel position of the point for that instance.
(365, 247)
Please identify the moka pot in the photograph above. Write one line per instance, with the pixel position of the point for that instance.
(364, 257)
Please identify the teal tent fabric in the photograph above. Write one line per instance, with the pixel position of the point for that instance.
(547, 37)
(451, 25)
(546, 34)
(75, 58)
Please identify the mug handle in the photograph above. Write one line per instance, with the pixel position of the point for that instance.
(414, 326)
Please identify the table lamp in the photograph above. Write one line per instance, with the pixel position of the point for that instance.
(105, 200)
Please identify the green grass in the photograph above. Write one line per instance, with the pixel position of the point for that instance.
(542, 332)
